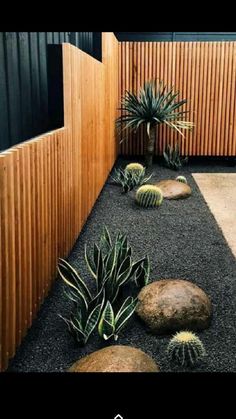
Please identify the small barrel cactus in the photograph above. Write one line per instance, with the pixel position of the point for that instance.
(134, 168)
(181, 179)
(149, 196)
(186, 349)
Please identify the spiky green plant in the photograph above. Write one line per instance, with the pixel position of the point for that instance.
(86, 308)
(112, 266)
(134, 168)
(129, 179)
(82, 322)
(172, 157)
(110, 324)
(149, 196)
(181, 179)
(152, 106)
(186, 349)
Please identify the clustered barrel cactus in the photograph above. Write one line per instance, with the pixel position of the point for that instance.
(149, 196)
(186, 349)
(134, 167)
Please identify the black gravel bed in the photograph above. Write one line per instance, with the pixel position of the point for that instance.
(182, 240)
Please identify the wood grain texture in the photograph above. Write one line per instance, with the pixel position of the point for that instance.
(205, 74)
(48, 186)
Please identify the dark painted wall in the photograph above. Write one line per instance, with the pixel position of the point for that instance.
(24, 102)
(176, 36)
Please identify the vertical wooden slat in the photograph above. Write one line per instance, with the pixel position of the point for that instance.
(224, 76)
(204, 74)
(227, 98)
(18, 246)
(5, 304)
(232, 134)
(28, 249)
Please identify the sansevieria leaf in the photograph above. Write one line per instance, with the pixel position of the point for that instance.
(100, 270)
(111, 260)
(79, 293)
(125, 304)
(70, 273)
(92, 321)
(105, 241)
(107, 322)
(90, 263)
(125, 314)
(142, 273)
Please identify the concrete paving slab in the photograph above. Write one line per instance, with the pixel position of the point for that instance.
(219, 191)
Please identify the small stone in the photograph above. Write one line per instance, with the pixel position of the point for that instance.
(117, 358)
(172, 189)
(171, 305)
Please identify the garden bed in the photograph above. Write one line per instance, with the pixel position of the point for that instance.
(182, 240)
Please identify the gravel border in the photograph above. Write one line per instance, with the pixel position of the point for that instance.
(183, 240)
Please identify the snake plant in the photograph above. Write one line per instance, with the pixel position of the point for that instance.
(86, 308)
(110, 324)
(112, 266)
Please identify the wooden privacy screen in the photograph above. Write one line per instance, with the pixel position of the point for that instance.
(205, 74)
(48, 186)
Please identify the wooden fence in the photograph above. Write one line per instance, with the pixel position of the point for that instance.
(205, 74)
(48, 186)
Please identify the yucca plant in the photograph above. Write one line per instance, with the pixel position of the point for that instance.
(172, 157)
(110, 324)
(152, 106)
(129, 179)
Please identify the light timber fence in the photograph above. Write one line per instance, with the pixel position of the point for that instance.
(205, 74)
(48, 186)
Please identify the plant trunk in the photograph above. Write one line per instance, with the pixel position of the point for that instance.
(150, 148)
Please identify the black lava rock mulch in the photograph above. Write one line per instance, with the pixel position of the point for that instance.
(184, 241)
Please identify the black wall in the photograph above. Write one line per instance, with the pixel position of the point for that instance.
(24, 103)
(176, 36)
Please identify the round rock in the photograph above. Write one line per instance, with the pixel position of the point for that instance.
(117, 358)
(172, 189)
(173, 304)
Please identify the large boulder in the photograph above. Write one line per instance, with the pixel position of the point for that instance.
(172, 189)
(117, 358)
(170, 305)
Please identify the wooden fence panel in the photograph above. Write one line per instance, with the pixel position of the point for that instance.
(205, 74)
(48, 186)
